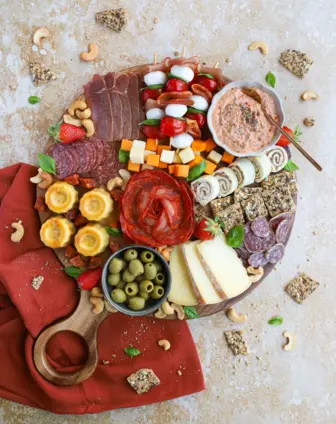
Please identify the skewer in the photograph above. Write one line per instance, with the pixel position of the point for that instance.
(183, 52)
(216, 65)
(155, 58)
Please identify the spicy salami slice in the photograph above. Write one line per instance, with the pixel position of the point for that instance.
(254, 243)
(282, 231)
(199, 90)
(274, 222)
(275, 253)
(257, 259)
(175, 97)
(260, 227)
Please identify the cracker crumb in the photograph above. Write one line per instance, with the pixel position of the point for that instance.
(236, 342)
(115, 19)
(156, 20)
(178, 372)
(37, 281)
(40, 73)
(106, 362)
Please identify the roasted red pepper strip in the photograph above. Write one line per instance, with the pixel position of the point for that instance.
(72, 179)
(77, 261)
(88, 183)
(89, 279)
(199, 90)
(192, 128)
(70, 252)
(40, 205)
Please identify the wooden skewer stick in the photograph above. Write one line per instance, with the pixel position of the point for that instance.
(216, 65)
(155, 58)
(183, 52)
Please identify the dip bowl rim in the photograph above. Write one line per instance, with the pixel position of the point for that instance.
(239, 84)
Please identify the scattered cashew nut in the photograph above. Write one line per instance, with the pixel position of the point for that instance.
(257, 274)
(125, 175)
(96, 292)
(39, 34)
(68, 119)
(109, 307)
(89, 126)
(167, 309)
(16, 237)
(166, 253)
(114, 183)
(98, 305)
(37, 179)
(46, 180)
(261, 45)
(77, 104)
(235, 317)
(164, 343)
(160, 314)
(85, 114)
(309, 95)
(291, 341)
(161, 248)
(179, 310)
(91, 54)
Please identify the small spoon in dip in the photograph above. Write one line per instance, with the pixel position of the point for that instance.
(254, 95)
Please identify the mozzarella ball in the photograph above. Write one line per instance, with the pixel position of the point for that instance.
(183, 72)
(177, 111)
(182, 141)
(155, 113)
(200, 102)
(156, 77)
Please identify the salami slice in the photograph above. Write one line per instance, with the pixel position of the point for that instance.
(175, 97)
(257, 259)
(274, 222)
(275, 253)
(260, 227)
(254, 243)
(282, 231)
(199, 90)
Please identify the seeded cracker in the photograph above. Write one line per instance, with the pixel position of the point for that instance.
(232, 216)
(202, 212)
(40, 73)
(115, 19)
(254, 207)
(296, 62)
(236, 342)
(143, 380)
(218, 205)
(282, 179)
(301, 288)
(36, 282)
(246, 192)
(278, 200)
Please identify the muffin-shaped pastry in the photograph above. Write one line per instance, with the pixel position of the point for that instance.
(61, 197)
(57, 232)
(96, 205)
(91, 240)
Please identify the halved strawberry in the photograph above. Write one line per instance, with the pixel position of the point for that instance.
(208, 228)
(66, 133)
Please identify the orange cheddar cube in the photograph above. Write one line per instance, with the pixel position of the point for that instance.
(151, 144)
(181, 171)
(153, 160)
(171, 169)
(162, 165)
(160, 148)
(210, 167)
(227, 157)
(135, 167)
(198, 159)
(126, 145)
(210, 145)
(199, 145)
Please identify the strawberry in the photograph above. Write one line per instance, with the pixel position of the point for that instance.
(208, 228)
(294, 134)
(66, 133)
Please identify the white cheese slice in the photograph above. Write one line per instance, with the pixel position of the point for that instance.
(148, 152)
(187, 155)
(167, 156)
(223, 266)
(200, 281)
(214, 156)
(139, 143)
(137, 154)
(181, 291)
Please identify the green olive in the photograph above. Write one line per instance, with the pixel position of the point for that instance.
(115, 265)
(127, 276)
(139, 278)
(157, 292)
(150, 271)
(114, 279)
(146, 286)
(158, 265)
(135, 267)
(146, 256)
(160, 278)
(136, 303)
(121, 285)
(124, 263)
(118, 296)
(144, 295)
(131, 289)
(130, 254)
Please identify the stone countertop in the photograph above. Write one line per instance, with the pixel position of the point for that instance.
(270, 385)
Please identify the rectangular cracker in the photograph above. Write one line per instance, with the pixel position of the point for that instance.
(296, 62)
(301, 287)
(278, 200)
(143, 380)
(254, 207)
(220, 204)
(232, 216)
(236, 342)
(282, 179)
(244, 193)
(202, 212)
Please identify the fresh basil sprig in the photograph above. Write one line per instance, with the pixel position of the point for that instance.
(196, 171)
(235, 236)
(113, 231)
(150, 122)
(194, 110)
(271, 79)
(47, 163)
(275, 321)
(33, 100)
(174, 76)
(297, 134)
(291, 166)
(132, 351)
(206, 75)
(123, 156)
(190, 312)
(73, 271)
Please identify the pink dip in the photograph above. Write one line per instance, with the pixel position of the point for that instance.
(239, 122)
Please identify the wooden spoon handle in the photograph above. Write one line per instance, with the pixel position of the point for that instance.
(82, 322)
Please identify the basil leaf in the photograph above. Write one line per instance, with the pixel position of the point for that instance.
(197, 171)
(235, 236)
(291, 166)
(123, 156)
(33, 100)
(132, 351)
(113, 231)
(73, 271)
(191, 312)
(155, 86)
(194, 110)
(150, 122)
(174, 76)
(271, 79)
(297, 134)
(47, 163)
(275, 321)
(206, 75)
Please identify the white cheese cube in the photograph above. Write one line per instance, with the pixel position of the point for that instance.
(137, 154)
(214, 156)
(139, 143)
(148, 152)
(167, 156)
(177, 158)
(145, 166)
(187, 155)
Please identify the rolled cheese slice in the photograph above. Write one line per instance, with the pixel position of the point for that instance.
(96, 205)
(228, 181)
(57, 232)
(278, 157)
(262, 166)
(91, 240)
(205, 189)
(61, 197)
(244, 171)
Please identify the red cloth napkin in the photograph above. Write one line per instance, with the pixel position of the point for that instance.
(25, 312)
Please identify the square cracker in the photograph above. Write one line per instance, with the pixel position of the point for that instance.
(201, 212)
(232, 216)
(254, 207)
(244, 193)
(220, 204)
(296, 62)
(143, 380)
(236, 342)
(281, 179)
(278, 200)
(301, 287)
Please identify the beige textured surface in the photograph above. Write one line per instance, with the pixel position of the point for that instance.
(296, 387)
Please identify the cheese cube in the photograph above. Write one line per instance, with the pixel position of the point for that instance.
(126, 145)
(135, 167)
(137, 154)
(177, 158)
(139, 143)
(162, 147)
(214, 156)
(167, 156)
(148, 152)
(187, 155)
(153, 160)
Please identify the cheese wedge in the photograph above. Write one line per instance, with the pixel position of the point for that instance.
(202, 286)
(181, 291)
(223, 267)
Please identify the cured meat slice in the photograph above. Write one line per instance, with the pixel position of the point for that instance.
(167, 63)
(254, 243)
(216, 73)
(140, 86)
(151, 104)
(275, 253)
(116, 129)
(133, 95)
(98, 100)
(260, 227)
(282, 232)
(175, 97)
(257, 259)
(274, 222)
(199, 90)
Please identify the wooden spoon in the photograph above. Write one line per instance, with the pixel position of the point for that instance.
(254, 95)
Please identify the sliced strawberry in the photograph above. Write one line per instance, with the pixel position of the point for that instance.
(66, 133)
(208, 228)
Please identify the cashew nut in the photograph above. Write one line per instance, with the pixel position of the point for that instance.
(261, 45)
(114, 182)
(89, 126)
(16, 237)
(160, 314)
(92, 53)
(166, 253)
(309, 95)
(68, 119)
(235, 317)
(291, 341)
(109, 307)
(98, 305)
(39, 34)
(257, 274)
(85, 114)
(179, 310)
(77, 104)
(161, 249)
(125, 175)
(37, 179)
(46, 180)
(96, 292)
(164, 343)
(167, 309)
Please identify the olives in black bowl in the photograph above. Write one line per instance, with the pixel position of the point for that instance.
(136, 280)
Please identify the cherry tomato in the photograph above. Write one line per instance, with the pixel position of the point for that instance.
(172, 126)
(89, 279)
(153, 131)
(174, 84)
(207, 82)
(283, 140)
(198, 117)
(150, 93)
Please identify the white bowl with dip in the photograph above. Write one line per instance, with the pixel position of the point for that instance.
(245, 128)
